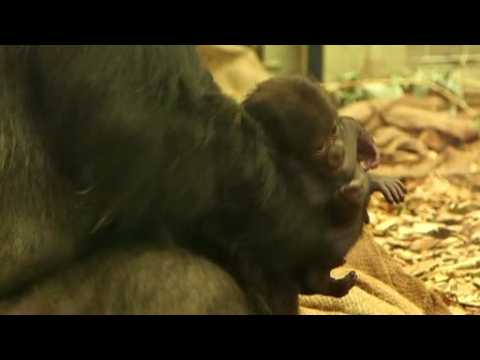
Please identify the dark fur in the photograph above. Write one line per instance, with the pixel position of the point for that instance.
(323, 149)
(312, 142)
(141, 280)
(129, 144)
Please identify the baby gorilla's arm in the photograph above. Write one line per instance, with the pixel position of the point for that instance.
(392, 189)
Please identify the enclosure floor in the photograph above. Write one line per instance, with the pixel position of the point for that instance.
(435, 234)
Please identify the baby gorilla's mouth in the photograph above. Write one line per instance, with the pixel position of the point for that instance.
(368, 153)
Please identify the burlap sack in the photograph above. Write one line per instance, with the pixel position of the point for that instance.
(237, 69)
(383, 288)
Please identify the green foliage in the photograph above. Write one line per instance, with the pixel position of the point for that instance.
(444, 79)
(419, 84)
(352, 94)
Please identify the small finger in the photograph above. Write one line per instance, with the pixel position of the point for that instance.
(396, 194)
(401, 193)
(387, 194)
(401, 184)
(401, 189)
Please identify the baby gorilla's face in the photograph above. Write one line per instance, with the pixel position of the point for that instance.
(328, 148)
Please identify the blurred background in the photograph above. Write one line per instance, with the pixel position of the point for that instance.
(331, 63)
(422, 104)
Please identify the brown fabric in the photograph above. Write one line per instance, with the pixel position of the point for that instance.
(383, 288)
(236, 68)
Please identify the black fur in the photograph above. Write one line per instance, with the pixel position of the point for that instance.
(133, 144)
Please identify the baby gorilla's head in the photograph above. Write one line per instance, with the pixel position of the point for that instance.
(301, 120)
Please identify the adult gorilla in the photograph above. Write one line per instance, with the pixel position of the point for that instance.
(111, 155)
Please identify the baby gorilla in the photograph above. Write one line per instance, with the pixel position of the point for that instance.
(331, 155)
